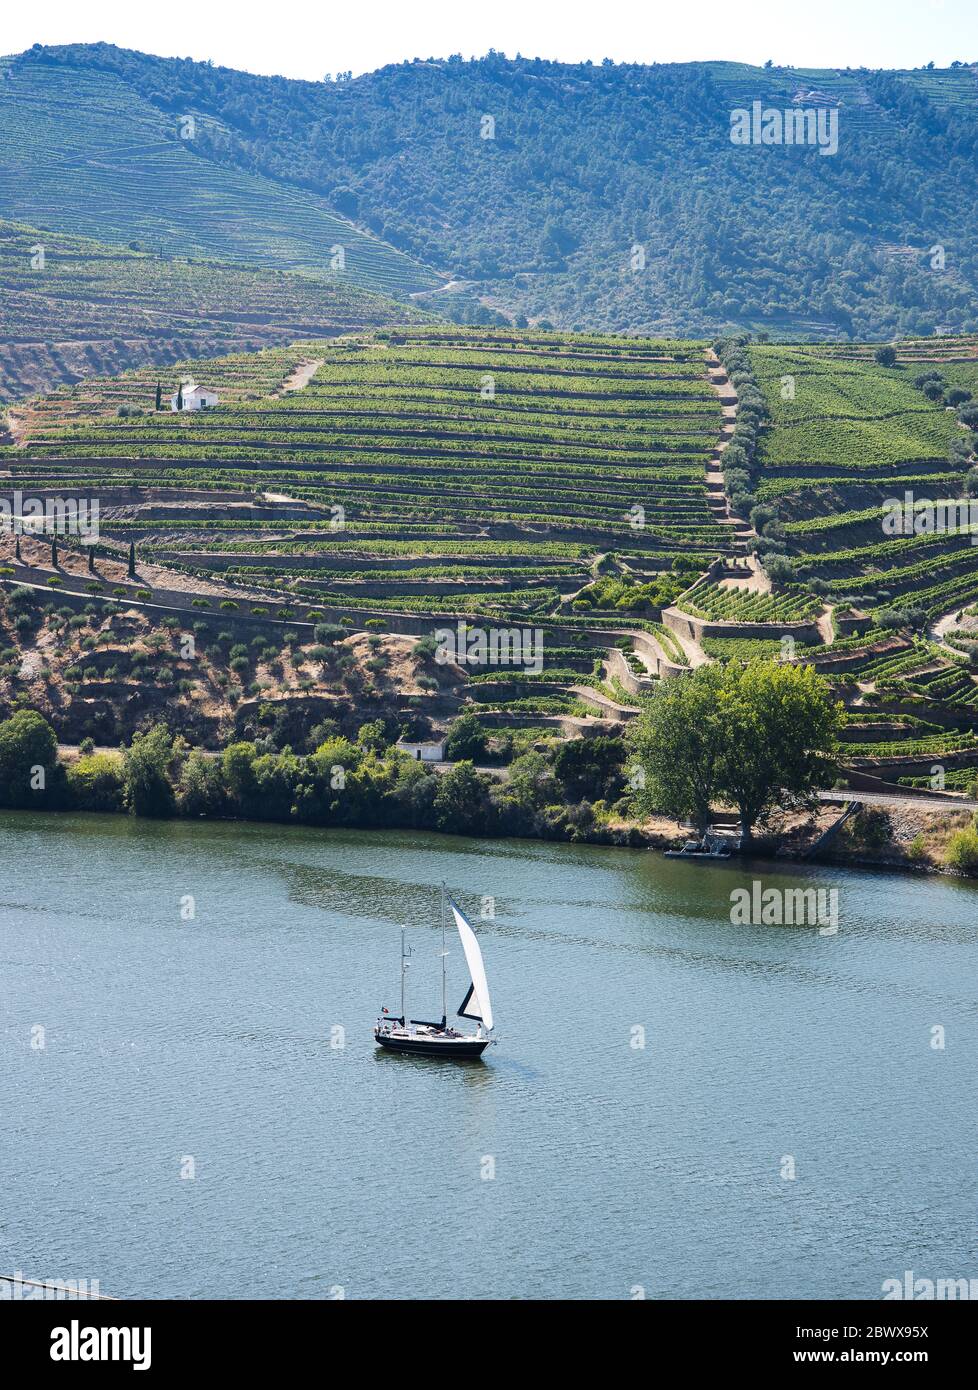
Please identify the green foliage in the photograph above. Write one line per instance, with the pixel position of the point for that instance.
(590, 768)
(645, 158)
(627, 596)
(373, 736)
(462, 798)
(201, 790)
(96, 782)
(466, 740)
(962, 850)
(147, 790)
(851, 436)
(200, 207)
(678, 748)
(29, 771)
(762, 736)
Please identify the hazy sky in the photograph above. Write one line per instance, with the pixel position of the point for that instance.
(303, 39)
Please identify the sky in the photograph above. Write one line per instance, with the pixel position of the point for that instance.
(303, 39)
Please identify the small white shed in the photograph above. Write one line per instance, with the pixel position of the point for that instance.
(193, 397)
(423, 752)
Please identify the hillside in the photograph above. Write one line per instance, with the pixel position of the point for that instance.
(570, 486)
(847, 436)
(504, 470)
(84, 153)
(103, 670)
(586, 164)
(94, 309)
(401, 480)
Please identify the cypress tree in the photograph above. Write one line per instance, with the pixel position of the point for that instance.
(132, 559)
(159, 396)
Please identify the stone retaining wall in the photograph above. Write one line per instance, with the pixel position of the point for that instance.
(686, 625)
(344, 561)
(635, 685)
(865, 782)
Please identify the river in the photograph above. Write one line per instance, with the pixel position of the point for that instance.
(192, 1104)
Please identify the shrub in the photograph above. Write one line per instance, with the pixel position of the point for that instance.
(962, 850)
(146, 783)
(95, 781)
(778, 568)
(761, 515)
(917, 850)
(466, 741)
(424, 649)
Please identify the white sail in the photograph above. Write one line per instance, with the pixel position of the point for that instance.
(477, 970)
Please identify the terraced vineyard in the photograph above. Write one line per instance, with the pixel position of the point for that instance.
(852, 436)
(63, 127)
(71, 308)
(420, 471)
(715, 603)
(847, 436)
(404, 479)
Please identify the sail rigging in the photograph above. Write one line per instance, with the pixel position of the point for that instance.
(479, 988)
(426, 1038)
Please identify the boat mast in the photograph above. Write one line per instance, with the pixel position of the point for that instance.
(405, 967)
(444, 962)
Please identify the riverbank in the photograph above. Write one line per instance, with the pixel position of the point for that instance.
(904, 838)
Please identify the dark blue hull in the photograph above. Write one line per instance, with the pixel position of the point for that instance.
(448, 1049)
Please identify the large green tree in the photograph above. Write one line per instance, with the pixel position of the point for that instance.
(780, 738)
(678, 748)
(760, 736)
(29, 771)
(466, 741)
(145, 773)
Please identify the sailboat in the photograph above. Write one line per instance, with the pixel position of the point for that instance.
(425, 1039)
